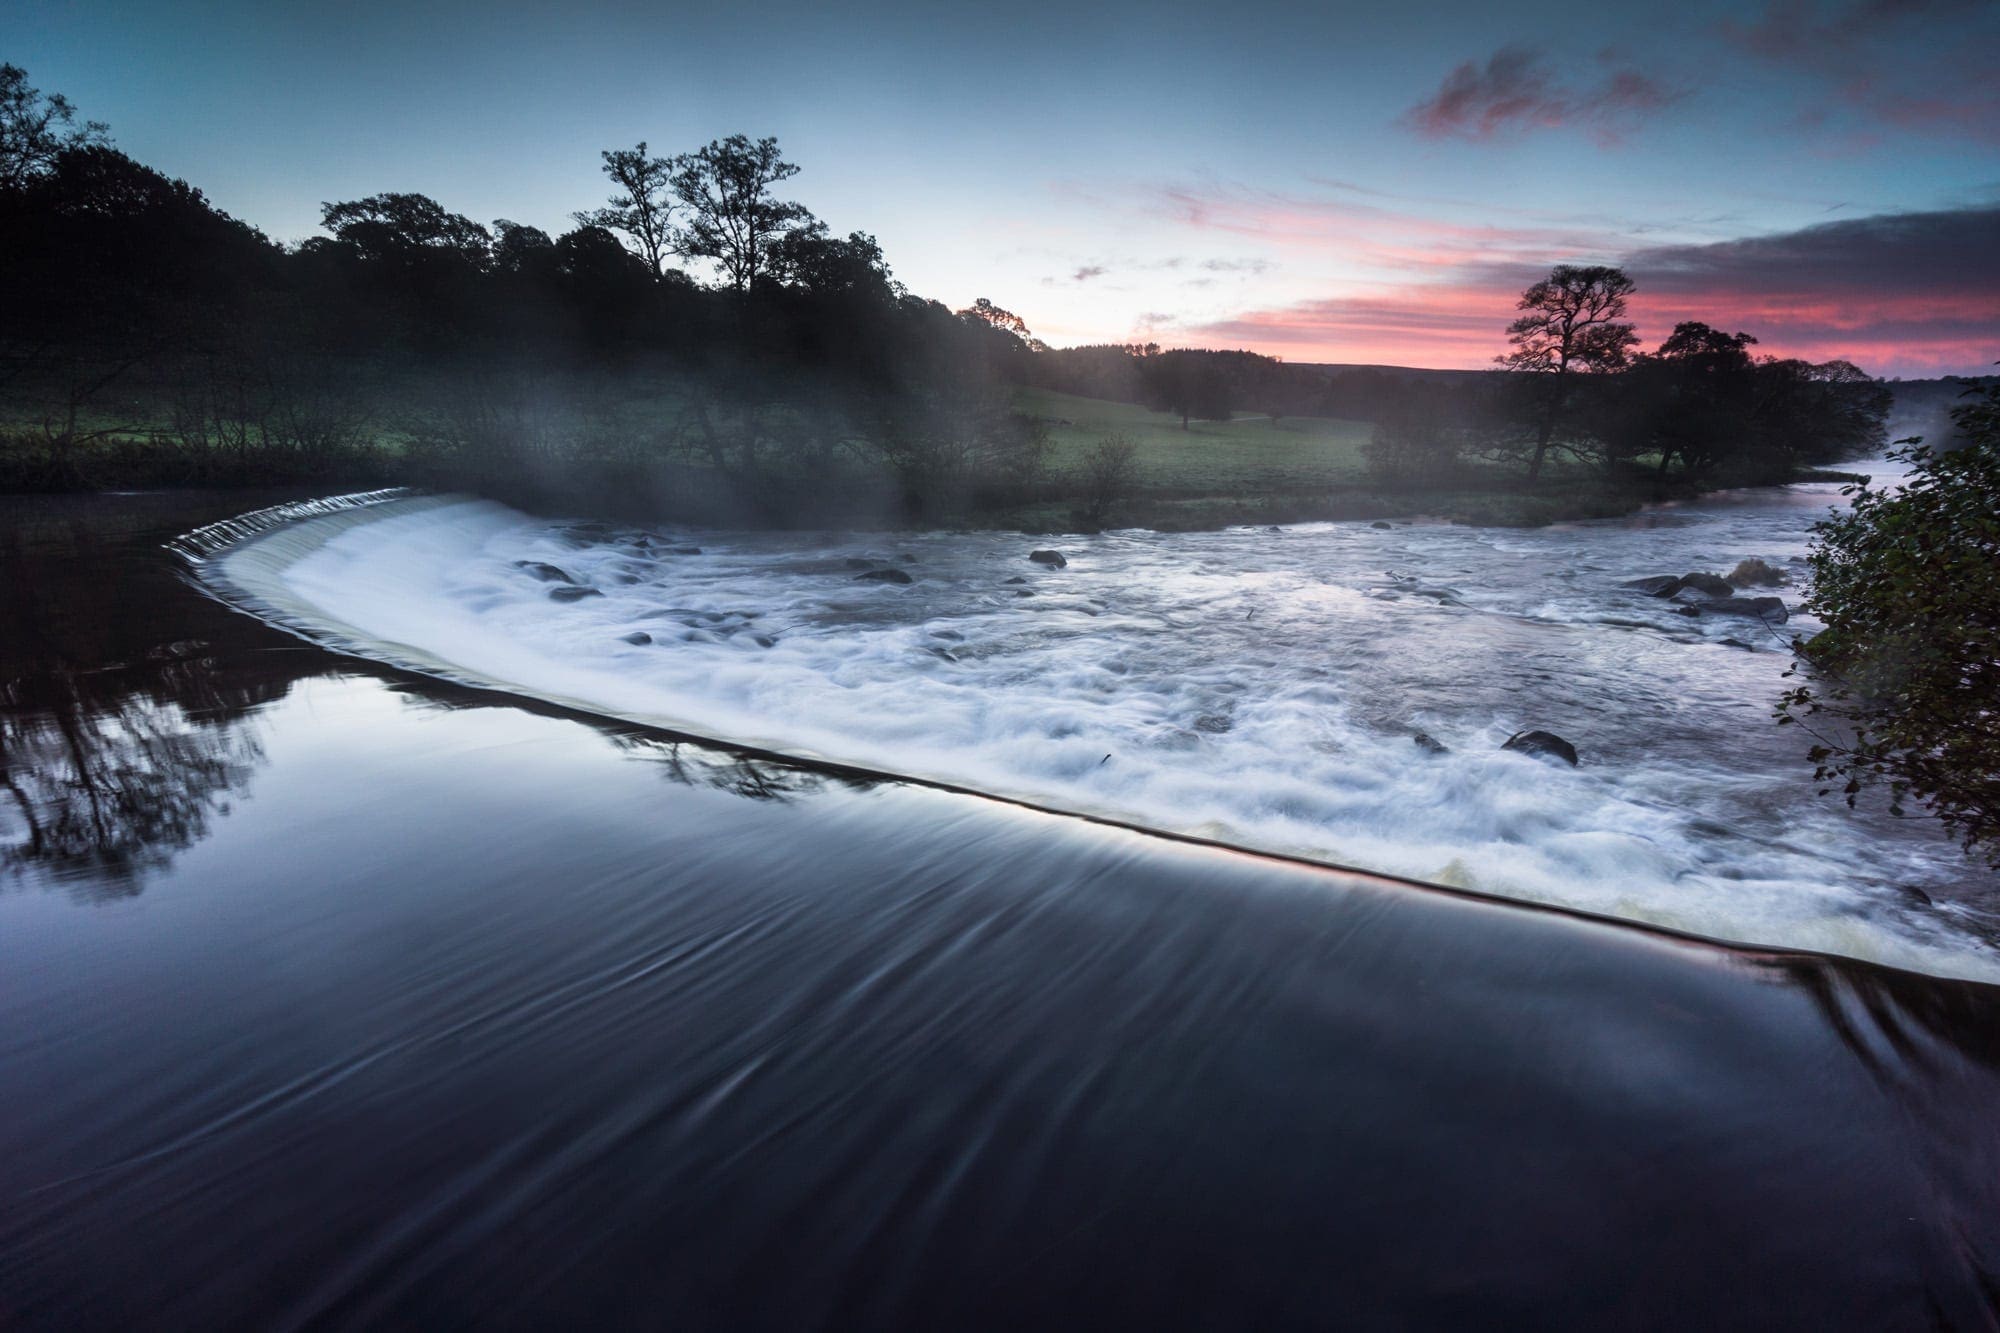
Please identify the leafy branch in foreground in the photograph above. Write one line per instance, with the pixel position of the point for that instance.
(1907, 670)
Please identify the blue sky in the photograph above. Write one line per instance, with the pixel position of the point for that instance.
(1333, 182)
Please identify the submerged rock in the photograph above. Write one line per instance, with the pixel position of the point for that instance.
(1653, 586)
(1542, 743)
(638, 638)
(1017, 579)
(572, 593)
(1386, 527)
(1053, 559)
(683, 550)
(1213, 723)
(882, 576)
(545, 572)
(1428, 743)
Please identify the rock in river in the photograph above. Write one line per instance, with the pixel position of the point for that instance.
(1544, 743)
(882, 576)
(572, 593)
(1053, 559)
(546, 573)
(1770, 609)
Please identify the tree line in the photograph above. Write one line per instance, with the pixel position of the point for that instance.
(697, 340)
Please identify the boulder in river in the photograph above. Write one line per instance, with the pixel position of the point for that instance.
(1754, 573)
(638, 638)
(545, 572)
(882, 576)
(1713, 585)
(1378, 523)
(1053, 559)
(572, 593)
(1769, 609)
(1542, 743)
(1428, 743)
(1655, 585)
(1706, 585)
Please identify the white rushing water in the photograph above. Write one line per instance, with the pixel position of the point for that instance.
(1256, 686)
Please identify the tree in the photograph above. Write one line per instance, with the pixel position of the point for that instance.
(36, 129)
(1690, 400)
(1193, 385)
(1574, 323)
(985, 312)
(1823, 413)
(406, 228)
(808, 258)
(732, 216)
(643, 209)
(1907, 670)
(1108, 470)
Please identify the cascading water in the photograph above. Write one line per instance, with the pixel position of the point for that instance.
(1259, 687)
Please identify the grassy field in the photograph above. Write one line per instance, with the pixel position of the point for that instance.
(1248, 456)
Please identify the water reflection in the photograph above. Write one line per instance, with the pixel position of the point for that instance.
(129, 720)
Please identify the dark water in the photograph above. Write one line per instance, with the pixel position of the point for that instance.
(332, 998)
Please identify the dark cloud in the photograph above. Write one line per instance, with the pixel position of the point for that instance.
(1940, 257)
(1904, 64)
(1087, 272)
(1516, 90)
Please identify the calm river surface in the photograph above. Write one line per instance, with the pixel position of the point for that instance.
(331, 995)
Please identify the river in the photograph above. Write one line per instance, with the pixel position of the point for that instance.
(334, 993)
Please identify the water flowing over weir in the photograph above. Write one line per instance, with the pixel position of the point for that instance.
(1260, 688)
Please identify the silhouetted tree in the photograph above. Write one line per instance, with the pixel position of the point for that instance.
(36, 129)
(643, 208)
(1573, 323)
(732, 216)
(1193, 385)
(406, 229)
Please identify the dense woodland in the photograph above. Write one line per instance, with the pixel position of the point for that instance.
(699, 345)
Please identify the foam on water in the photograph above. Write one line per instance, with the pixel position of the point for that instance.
(1258, 687)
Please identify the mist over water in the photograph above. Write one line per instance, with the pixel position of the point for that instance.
(1259, 687)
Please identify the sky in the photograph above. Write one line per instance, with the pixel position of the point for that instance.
(1354, 183)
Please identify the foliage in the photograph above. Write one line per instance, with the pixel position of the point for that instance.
(1107, 475)
(1903, 685)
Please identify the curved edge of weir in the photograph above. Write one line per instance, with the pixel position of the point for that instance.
(216, 557)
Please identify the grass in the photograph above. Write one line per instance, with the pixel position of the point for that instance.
(1246, 457)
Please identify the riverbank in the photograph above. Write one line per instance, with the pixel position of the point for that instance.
(687, 494)
(344, 996)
